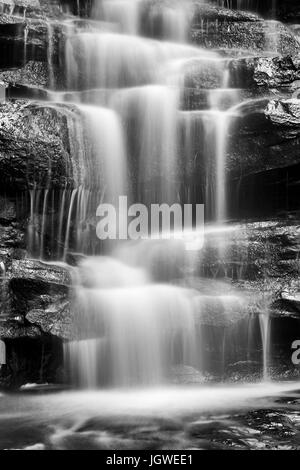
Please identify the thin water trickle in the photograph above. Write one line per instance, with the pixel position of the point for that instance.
(265, 328)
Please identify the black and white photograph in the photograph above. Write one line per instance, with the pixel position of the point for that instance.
(149, 228)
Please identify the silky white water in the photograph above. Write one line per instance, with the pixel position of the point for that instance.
(136, 330)
(127, 73)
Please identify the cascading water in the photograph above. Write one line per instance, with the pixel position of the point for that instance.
(134, 323)
(124, 13)
(141, 331)
(137, 330)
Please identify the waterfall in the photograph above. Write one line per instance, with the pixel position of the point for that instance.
(131, 329)
(140, 329)
(153, 108)
(67, 237)
(44, 215)
(123, 13)
(50, 54)
(2, 353)
(169, 21)
(221, 135)
(132, 133)
(108, 147)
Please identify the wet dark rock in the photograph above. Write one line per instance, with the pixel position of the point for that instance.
(32, 357)
(57, 9)
(271, 422)
(7, 254)
(266, 72)
(39, 272)
(251, 36)
(15, 4)
(9, 19)
(285, 114)
(261, 259)
(265, 136)
(208, 12)
(202, 428)
(12, 236)
(288, 11)
(7, 210)
(38, 300)
(32, 74)
(36, 145)
(56, 319)
(23, 40)
(11, 228)
(13, 330)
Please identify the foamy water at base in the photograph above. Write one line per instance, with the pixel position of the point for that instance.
(153, 418)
